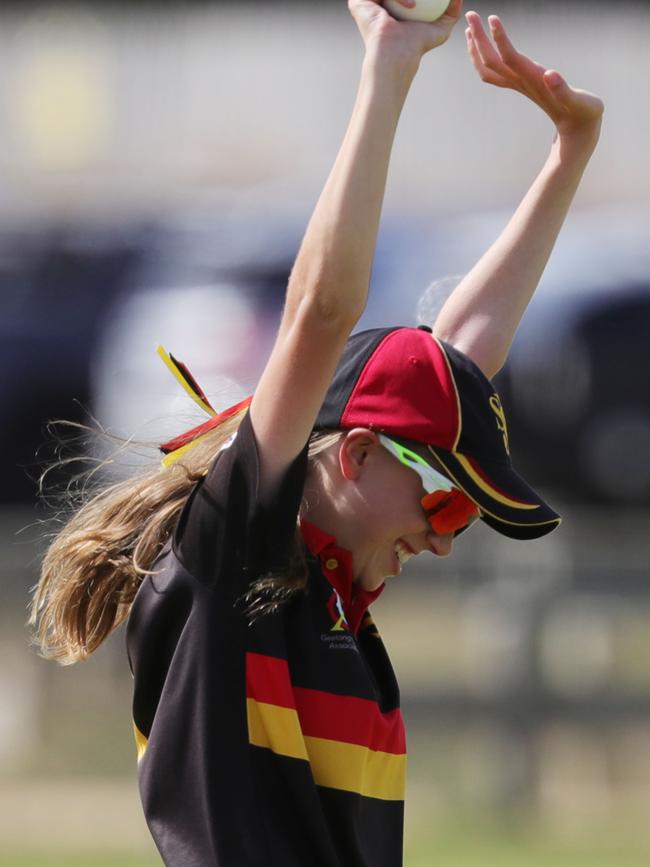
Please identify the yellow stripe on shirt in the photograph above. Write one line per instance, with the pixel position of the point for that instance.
(140, 741)
(334, 764)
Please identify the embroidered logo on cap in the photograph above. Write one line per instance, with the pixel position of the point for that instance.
(497, 409)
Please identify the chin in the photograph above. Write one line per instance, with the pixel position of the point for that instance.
(370, 583)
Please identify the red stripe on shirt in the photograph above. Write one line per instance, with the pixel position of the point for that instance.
(350, 719)
(268, 680)
(342, 718)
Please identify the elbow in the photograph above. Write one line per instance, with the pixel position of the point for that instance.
(318, 319)
(329, 314)
(331, 301)
(334, 310)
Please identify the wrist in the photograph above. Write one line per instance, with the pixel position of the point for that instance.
(578, 143)
(387, 64)
(583, 136)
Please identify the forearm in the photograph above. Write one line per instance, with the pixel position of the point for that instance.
(333, 266)
(482, 314)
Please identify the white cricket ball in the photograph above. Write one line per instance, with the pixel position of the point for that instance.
(424, 10)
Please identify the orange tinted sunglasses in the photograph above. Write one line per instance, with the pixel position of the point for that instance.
(448, 509)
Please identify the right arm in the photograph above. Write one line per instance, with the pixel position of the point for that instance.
(482, 314)
(328, 285)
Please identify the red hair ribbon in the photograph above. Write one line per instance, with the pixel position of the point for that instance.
(196, 432)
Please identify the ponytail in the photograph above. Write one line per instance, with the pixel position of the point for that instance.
(95, 564)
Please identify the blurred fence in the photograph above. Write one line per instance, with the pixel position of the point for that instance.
(525, 671)
(525, 676)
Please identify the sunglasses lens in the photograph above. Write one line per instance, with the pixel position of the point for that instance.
(449, 512)
(469, 524)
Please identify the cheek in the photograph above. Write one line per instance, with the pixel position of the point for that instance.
(390, 500)
(400, 505)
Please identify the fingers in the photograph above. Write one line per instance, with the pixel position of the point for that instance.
(507, 51)
(553, 79)
(482, 44)
(580, 103)
(366, 13)
(498, 62)
(487, 75)
(498, 53)
(484, 56)
(454, 10)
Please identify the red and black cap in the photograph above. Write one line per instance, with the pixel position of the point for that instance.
(405, 383)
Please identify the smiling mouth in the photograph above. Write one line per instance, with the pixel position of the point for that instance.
(404, 553)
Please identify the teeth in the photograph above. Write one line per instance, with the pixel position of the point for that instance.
(403, 554)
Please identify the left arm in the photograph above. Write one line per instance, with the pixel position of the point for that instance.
(482, 314)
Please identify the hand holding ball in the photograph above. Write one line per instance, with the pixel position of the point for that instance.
(424, 10)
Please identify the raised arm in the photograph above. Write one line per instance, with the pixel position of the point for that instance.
(482, 314)
(328, 286)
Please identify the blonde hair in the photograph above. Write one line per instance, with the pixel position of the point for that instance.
(95, 564)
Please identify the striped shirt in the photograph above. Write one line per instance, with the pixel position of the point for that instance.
(279, 743)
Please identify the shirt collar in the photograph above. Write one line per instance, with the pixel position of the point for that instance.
(336, 566)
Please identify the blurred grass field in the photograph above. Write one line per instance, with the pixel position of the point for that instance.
(455, 851)
(472, 843)
(79, 859)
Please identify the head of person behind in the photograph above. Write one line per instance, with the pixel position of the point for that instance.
(409, 448)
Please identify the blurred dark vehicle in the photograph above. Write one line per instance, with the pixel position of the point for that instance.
(83, 309)
(65, 291)
(579, 401)
(56, 286)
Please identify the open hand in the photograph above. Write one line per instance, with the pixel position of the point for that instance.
(497, 62)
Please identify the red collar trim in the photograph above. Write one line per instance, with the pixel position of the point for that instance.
(336, 564)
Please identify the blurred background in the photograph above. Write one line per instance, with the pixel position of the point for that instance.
(158, 166)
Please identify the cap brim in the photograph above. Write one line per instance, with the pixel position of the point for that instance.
(507, 503)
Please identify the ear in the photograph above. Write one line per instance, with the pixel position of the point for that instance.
(354, 450)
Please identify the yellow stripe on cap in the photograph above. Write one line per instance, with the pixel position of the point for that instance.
(492, 492)
(557, 521)
(178, 375)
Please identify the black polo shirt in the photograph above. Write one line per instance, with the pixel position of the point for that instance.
(276, 744)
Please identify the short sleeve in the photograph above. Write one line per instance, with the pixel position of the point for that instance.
(226, 532)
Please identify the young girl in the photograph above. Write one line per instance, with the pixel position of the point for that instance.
(266, 711)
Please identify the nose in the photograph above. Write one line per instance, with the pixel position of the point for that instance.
(440, 545)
